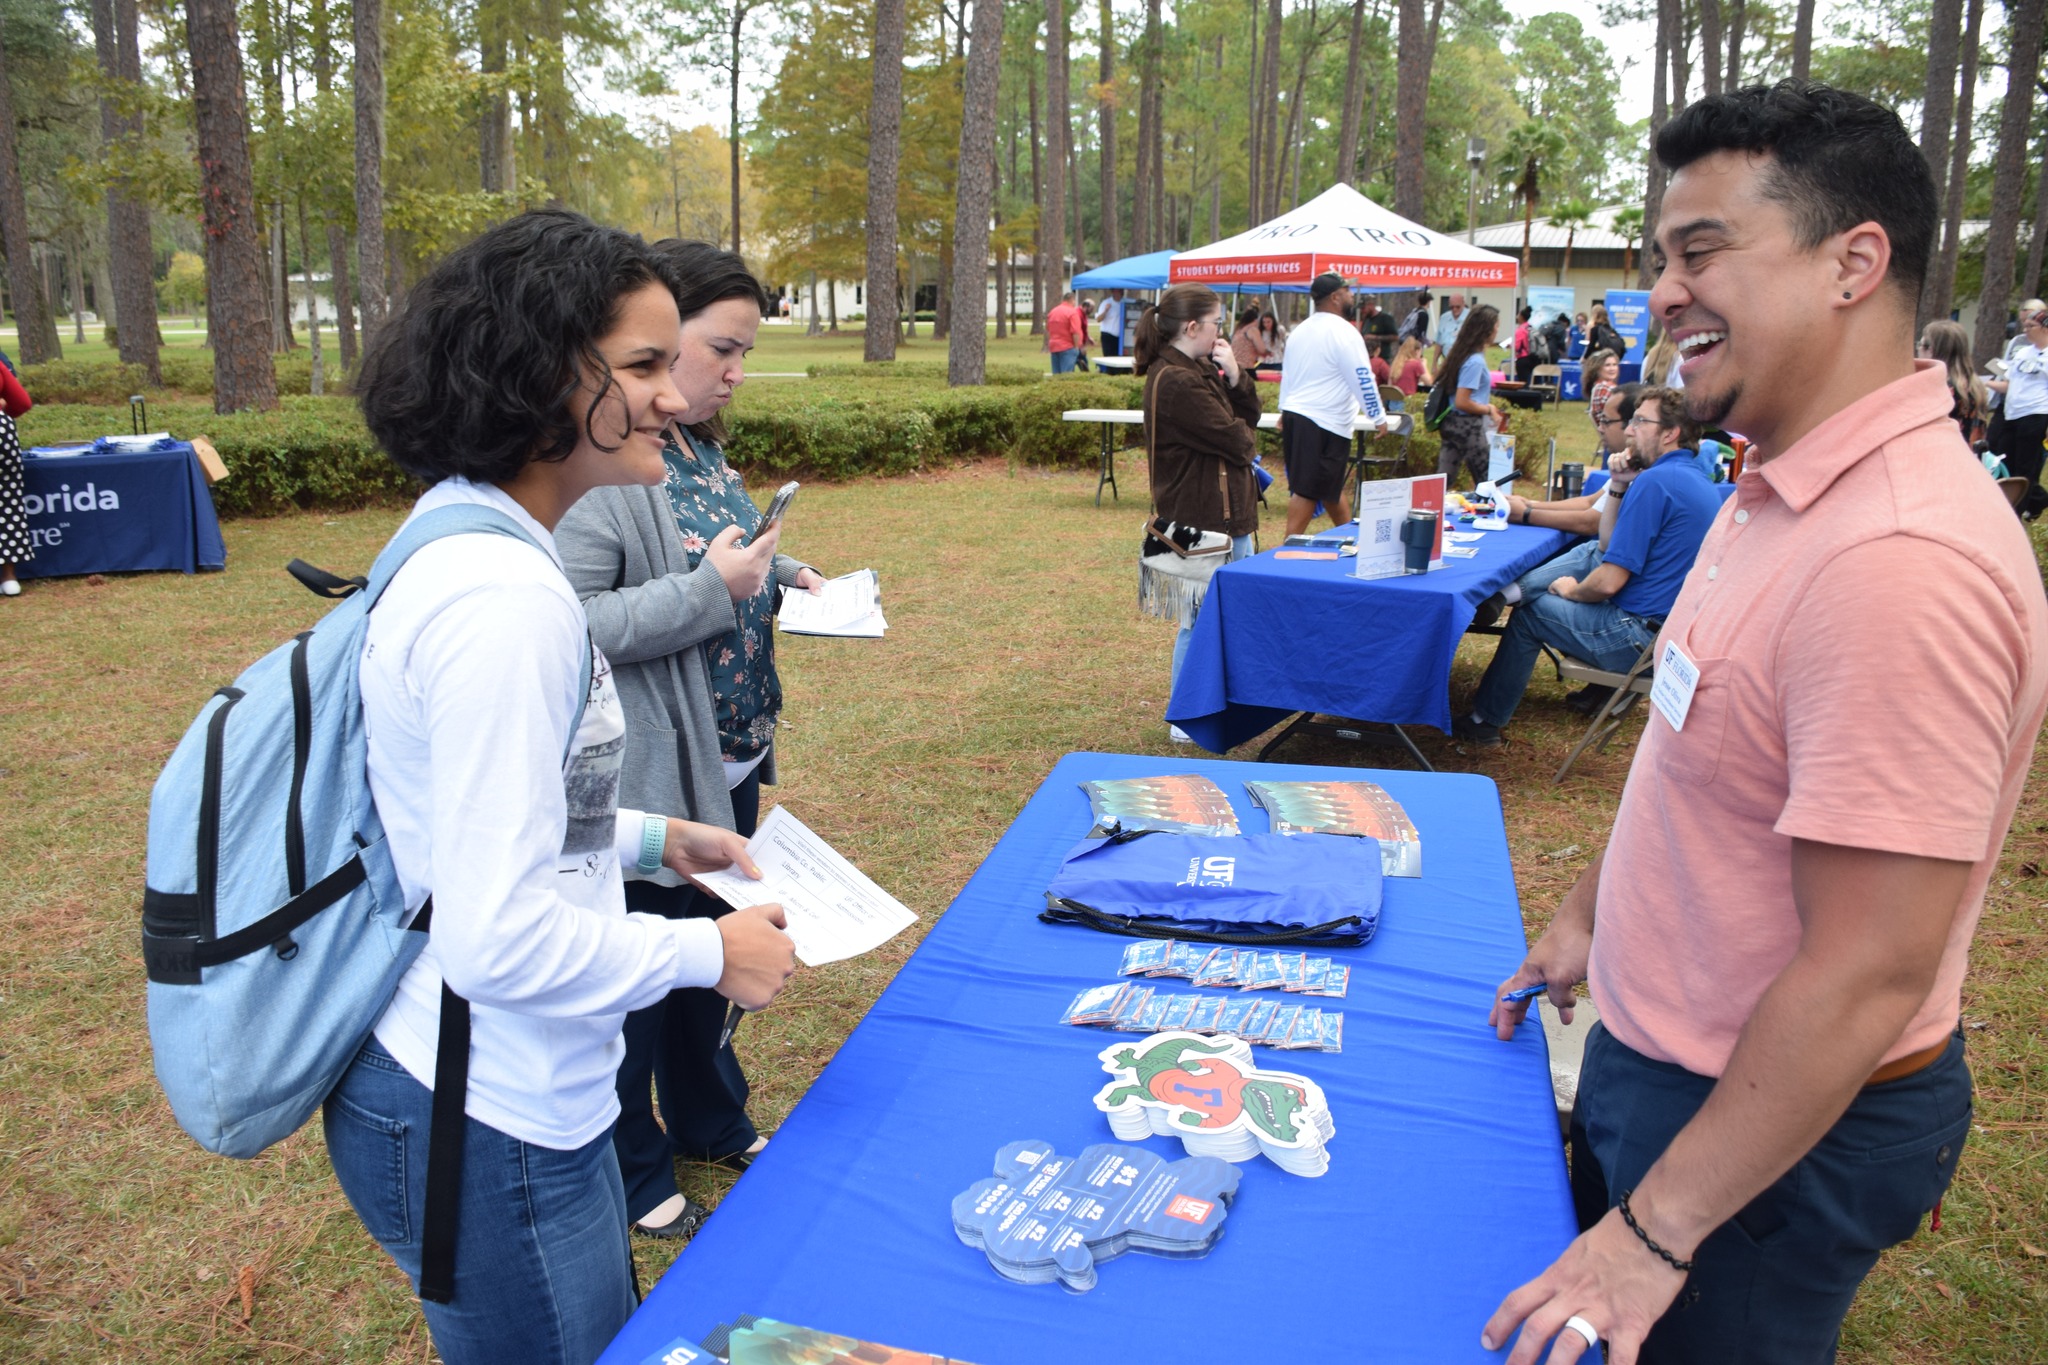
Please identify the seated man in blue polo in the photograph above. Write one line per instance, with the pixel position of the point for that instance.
(1606, 618)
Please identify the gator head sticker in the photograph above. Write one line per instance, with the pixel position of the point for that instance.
(1211, 1094)
(1048, 1217)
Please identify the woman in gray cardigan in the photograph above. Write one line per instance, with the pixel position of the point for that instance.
(685, 613)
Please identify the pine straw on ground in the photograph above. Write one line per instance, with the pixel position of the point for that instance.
(1013, 640)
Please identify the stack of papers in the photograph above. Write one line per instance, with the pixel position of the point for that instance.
(834, 912)
(1048, 1217)
(1211, 1095)
(849, 605)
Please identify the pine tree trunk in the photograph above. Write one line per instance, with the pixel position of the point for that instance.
(32, 318)
(77, 294)
(1660, 109)
(344, 299)
(1939, 297)
(1710, 44)
(243, 375)
(1802, 41)
(1105, 113)
(494, 125)
(318, 380)
(129, 252)
(1038, 202)
(1074, 199)
(2030, 278)
(974, 199)
(1411, 97)
(1347, 134)
(2009, 173)
(1254, 133)
(1937, 116)
(369, 93)
(885, 130)
(1739, 9)
(1052, 224)
(1269, 101)
(1144, 235)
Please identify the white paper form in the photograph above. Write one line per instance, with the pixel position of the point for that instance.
(847, 605)
(834, 911)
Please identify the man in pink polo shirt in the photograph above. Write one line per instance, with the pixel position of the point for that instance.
(1850, 687)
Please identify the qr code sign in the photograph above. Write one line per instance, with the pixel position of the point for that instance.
(1383, 532)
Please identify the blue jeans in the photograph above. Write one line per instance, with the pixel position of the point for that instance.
(1576, 562)
(543, 1272)
(1240, 548)
(1599, 633)
(1772, 1284)
(1063, 361)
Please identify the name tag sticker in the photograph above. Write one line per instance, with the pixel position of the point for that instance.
(1676, 678)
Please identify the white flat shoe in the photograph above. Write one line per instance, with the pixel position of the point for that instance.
(11, 588)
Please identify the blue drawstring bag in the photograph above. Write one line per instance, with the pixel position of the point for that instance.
(1321, 890)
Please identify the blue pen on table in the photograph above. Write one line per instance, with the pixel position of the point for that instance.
(1516, 997)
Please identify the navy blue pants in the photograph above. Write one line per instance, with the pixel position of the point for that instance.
(674, 1044)
(1772, 1284)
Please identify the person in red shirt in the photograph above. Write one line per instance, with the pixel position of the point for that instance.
(1066, 333)
(1778, 930)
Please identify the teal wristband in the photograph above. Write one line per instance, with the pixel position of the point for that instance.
(653, 840)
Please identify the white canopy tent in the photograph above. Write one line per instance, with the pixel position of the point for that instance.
(1343, 231)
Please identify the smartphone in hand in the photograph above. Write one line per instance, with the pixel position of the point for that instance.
(779, 505)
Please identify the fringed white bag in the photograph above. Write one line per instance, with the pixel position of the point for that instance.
(1172, 580)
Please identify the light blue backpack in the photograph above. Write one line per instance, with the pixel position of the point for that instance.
(273, 924)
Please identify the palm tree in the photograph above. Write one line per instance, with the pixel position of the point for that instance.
(1526, 154)
(1571, 215)
(1628, 225)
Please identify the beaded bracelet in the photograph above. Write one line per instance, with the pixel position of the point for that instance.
(1682, 1267)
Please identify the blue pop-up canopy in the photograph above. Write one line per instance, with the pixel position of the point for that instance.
(1132, 272)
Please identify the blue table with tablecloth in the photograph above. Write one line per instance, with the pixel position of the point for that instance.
(1447, 1186)
(102, 509)
(1281, 636)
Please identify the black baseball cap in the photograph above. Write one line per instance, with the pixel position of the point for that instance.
(1326, 284)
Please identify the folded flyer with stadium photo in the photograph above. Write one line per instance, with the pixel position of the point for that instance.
(1360, 808)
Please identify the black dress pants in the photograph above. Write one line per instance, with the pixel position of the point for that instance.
(2019, 445)
(673, 1045)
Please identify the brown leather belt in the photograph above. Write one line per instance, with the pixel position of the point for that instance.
(1901, 1067)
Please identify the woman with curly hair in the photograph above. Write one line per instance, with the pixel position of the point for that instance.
(530, 367)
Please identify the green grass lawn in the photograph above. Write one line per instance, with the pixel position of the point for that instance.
(1013, 640)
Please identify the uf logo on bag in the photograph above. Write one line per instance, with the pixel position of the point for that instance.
(1219, 871)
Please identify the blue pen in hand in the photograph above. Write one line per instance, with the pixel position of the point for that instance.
(1516, 997)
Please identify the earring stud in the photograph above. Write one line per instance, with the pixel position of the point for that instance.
(1845, 293)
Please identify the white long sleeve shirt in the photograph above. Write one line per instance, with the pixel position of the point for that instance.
(469, 677)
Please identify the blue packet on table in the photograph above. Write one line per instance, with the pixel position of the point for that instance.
(1281, 1025)
(1145, 956)
(1153, 1016)
(1179, 1012)
(1231, 1019)
(1333, 1031)
(1185, 960)
(1131, 1009)
(1314, 973)
(1265, 972)
(1320, 890)
(1307, 1030)
(1221, 968)
(1338, 983)
(1207, 1011)
(1292, 968)
(1257, 1021)
(1096, 1005)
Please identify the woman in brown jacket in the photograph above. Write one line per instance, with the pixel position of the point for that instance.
(1201, 419)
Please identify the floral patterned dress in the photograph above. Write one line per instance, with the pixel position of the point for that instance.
(707, 496)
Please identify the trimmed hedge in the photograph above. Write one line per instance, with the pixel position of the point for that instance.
(311, 452)
(315, 452)
(930, 371)
(185, 371)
